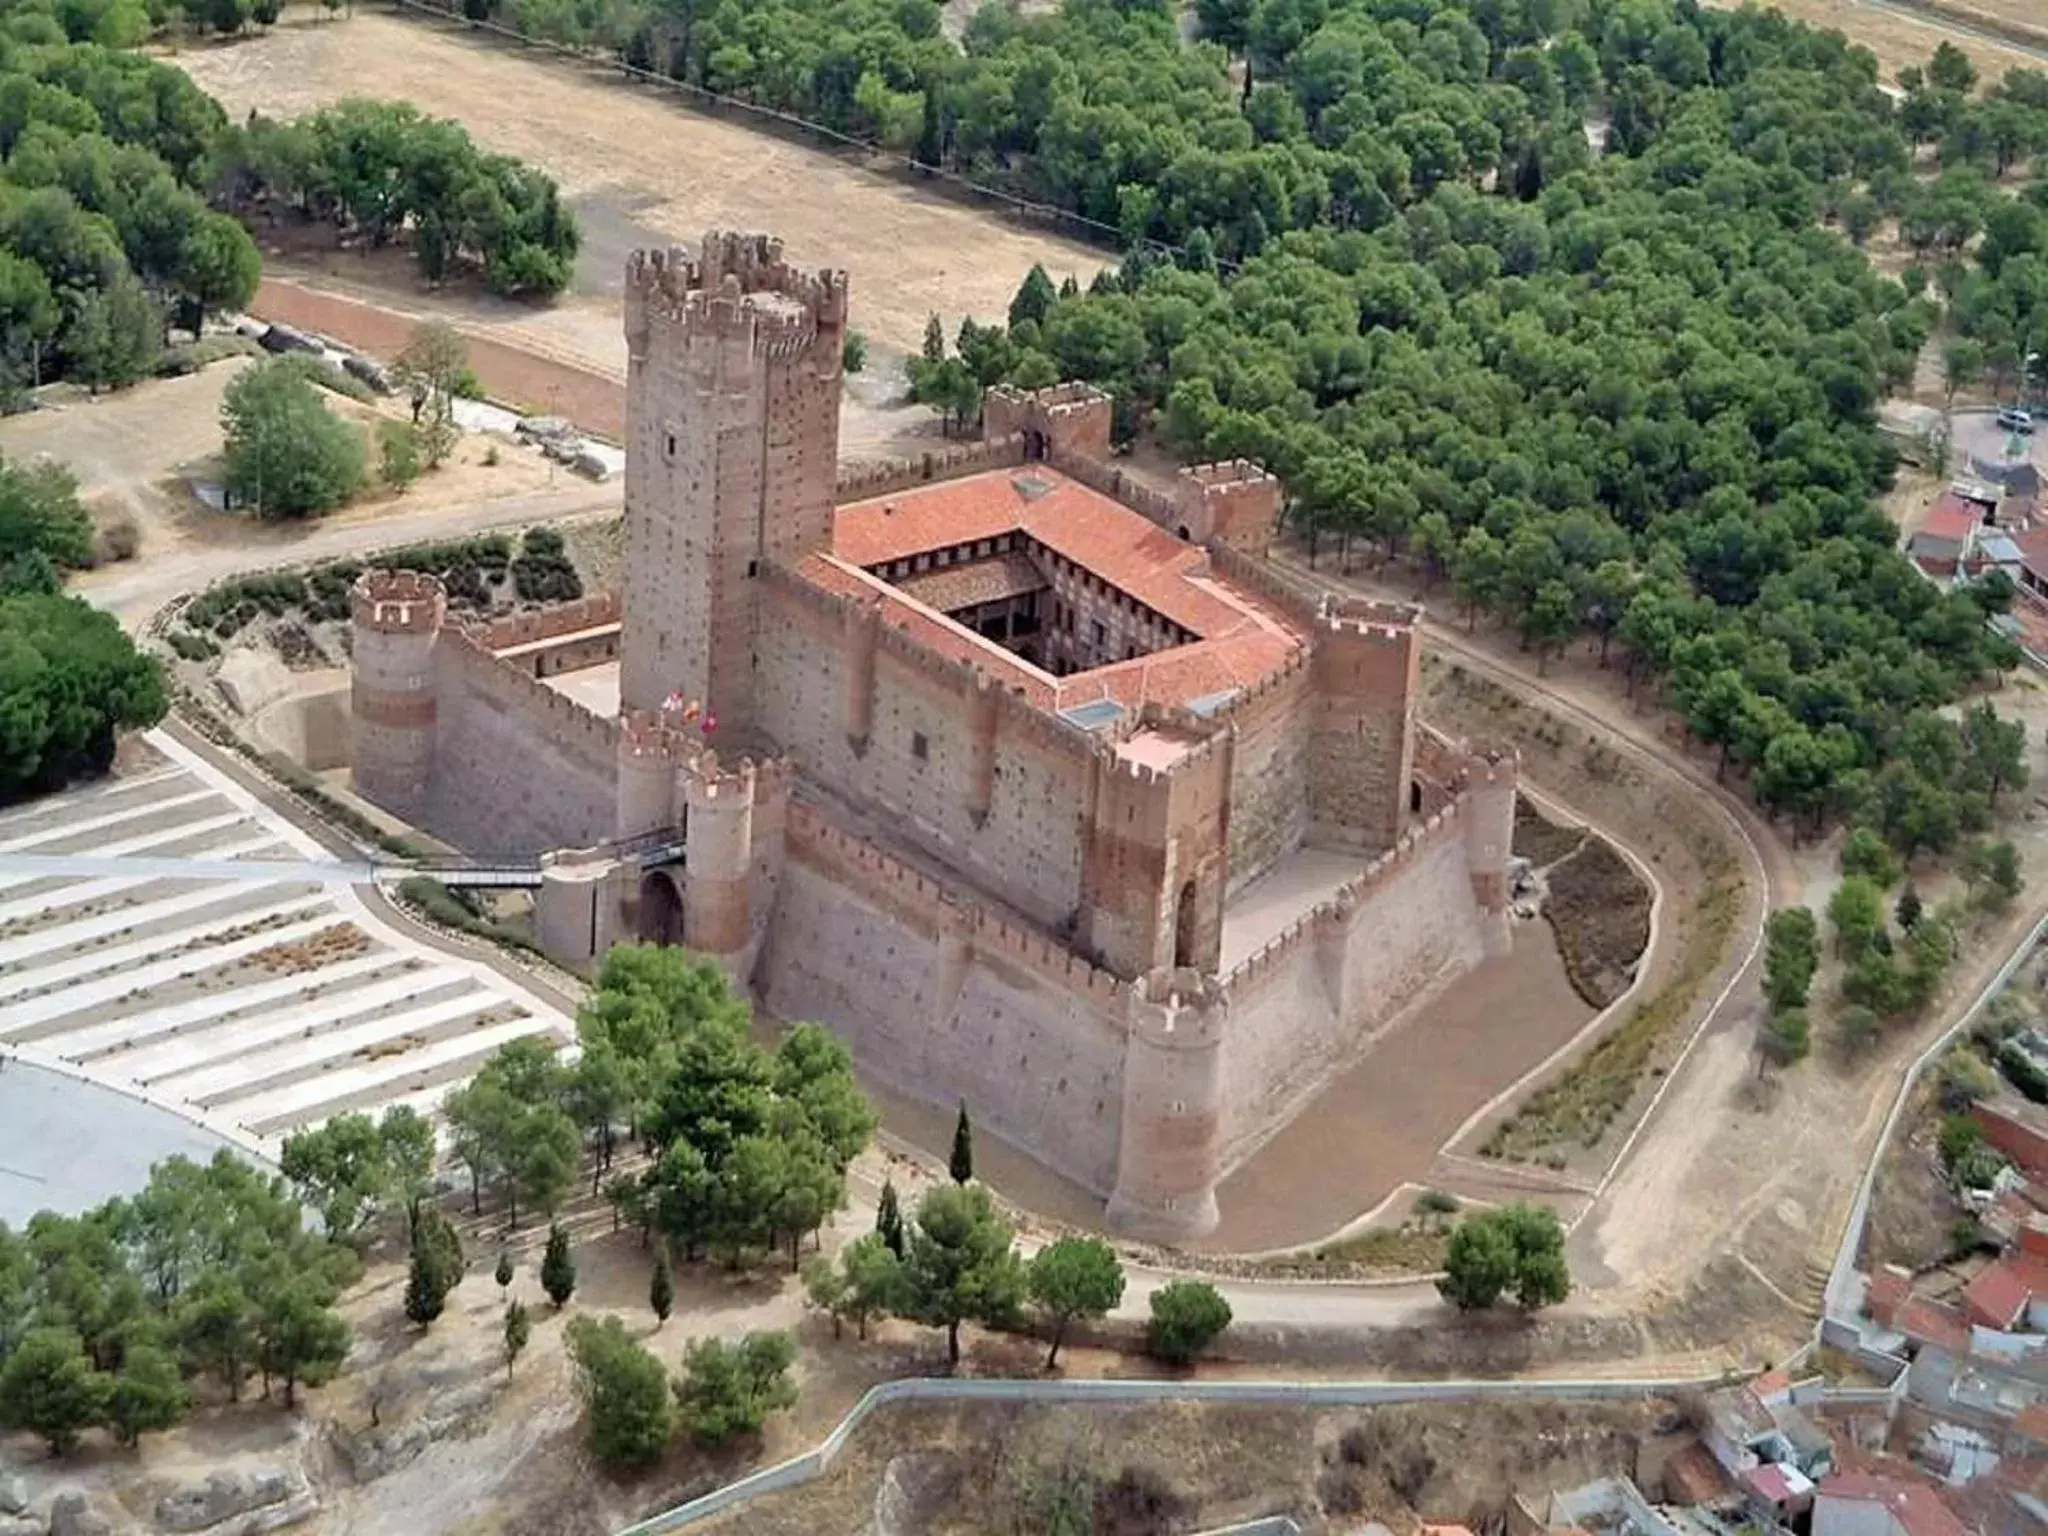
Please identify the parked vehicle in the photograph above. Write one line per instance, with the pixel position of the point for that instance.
(2014, 420)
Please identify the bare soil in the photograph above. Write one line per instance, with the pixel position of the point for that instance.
(1912, 1208)
(1600, 910)
(637, 165)
(140, 450)
(950, 1471)
(1380, 1123)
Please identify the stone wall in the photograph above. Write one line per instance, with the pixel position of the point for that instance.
(920, 766)
(519, 769)
(1269, 778)
(943, 1000)
(1317, 997)
(864, 481)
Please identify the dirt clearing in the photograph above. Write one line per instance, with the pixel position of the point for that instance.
(947, 1470)
(632, 161)
(139, 452)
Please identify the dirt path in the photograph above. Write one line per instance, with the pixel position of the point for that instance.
(638, 167)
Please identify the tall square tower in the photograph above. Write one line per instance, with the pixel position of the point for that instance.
(732, 453)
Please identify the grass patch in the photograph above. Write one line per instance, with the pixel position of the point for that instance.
(1580, 1106)
(320, 372)
(190, 356)
(451, 909)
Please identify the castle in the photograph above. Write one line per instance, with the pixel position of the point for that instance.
(1038, 785)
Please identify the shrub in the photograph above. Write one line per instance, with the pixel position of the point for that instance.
(1187, 1316)
(2022, 1073)
(625, 1393)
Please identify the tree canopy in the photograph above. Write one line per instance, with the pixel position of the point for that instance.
(107, 1318)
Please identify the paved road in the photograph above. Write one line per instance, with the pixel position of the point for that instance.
(133, 592)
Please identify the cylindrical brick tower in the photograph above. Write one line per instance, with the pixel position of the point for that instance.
(1170, 1146)
(719, 825)
(1492, 773)
(396, 619)
(647, 775)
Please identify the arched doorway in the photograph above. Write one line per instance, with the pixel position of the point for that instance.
(1415, 797)
(1184, 927)
(661, 908)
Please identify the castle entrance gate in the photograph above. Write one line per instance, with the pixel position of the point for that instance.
(661, 908)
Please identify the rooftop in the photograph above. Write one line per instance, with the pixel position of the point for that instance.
(1998, 1296)
(1914, 1506)
(1239, 638)
(1778, 1482)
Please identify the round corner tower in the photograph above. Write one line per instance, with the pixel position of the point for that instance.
(718, 879)
(646, 793)
(1492, 778)
(732, 458)
(395, 620)
(1170, 1149)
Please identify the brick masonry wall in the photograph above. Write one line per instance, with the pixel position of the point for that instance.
(1411, 935)
(1269, 778)
(519, 770)
(1040, 1066)
(1028, 849)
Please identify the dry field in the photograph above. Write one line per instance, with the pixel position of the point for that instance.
(640, 168)
(988, 1468)
(1899, 38)
(135, 453)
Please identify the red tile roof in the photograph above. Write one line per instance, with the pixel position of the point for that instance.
(1950, 519)
(1914, 1506)
(1927, 1322)
(1888, 1291)
(1693, 1476)
(2032, 1421)
(1771, 1481)
(1240, 639)
(1998, 1297)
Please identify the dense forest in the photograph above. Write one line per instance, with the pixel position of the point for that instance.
(123, 188)
(1561, 299)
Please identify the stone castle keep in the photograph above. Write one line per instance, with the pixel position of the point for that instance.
(1039, 785)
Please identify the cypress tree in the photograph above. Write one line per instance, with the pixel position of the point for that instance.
(661, 1290)
(889, 1218)
(961, 1166)
(504, 1272)
(557, 1268)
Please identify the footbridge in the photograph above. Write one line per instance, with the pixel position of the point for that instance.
(656, 851)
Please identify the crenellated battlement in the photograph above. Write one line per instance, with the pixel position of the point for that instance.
(555, 715)
(1019, 715)
(1179, 1009)
(1392, 623)
(713, 290)
(398, 602)
(1072, 418)
(707, 783)
(864, 481)
(517, 629)
(941, 910)
(1206, 740)
(1446, 826)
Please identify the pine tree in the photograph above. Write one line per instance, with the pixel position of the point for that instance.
(961, 1165)
(889, 1218)
(1909, 909)
(661, 1290)
(436, 1267)
(518, 1329)
(557, 1268)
